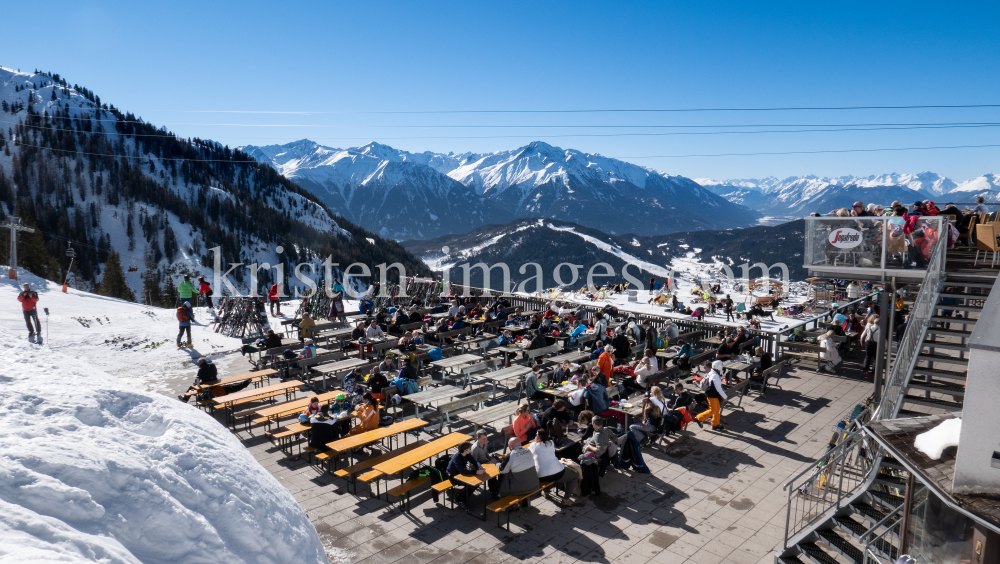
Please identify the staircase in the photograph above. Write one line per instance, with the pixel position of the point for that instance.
(863, 524)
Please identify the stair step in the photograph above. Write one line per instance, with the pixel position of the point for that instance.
(909, 413)
(981, 297)
(841, 546)
(887, 479)
(815, 553)
(958, 307)
(934, 402)
(942, 358)
(953, 320)
(868, 512)
(968, 283)
(949, 332)
(941, 374)
(890, 462)
(857, 530)
(886, 499)
(946, 346)
(941, 388)
(789, 560)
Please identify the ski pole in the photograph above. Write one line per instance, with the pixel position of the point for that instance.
(46, 323)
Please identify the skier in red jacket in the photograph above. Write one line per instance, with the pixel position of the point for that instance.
(272, 298)
(28, 300)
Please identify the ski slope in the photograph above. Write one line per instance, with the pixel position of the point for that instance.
(96, 466)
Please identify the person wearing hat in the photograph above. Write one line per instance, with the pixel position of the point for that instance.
(622, 346)
(918, 209)
(186, 290)
(207, 374)
(716, 397)
(28, 299)
(308, 351)
(323, 429)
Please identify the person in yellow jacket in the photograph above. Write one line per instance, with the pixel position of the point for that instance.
(306, 325)
(367, 415)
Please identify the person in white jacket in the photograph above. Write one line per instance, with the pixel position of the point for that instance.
(869, 340)
(643, 371)
(830, 353)
(548, 466)
(716, 396)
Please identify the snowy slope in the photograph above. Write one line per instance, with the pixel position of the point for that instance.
(97, 468)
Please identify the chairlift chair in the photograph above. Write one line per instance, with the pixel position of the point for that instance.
(132, 267)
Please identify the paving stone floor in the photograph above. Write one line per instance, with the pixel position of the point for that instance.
(711, 497)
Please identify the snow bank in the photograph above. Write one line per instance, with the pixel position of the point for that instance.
(92, 470)
(932, 443)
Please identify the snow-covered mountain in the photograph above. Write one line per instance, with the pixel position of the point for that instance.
(90, 174)
(795, 196)
(390, 191)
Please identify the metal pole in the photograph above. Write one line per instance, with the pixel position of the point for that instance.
(884, 304)
(886, 341)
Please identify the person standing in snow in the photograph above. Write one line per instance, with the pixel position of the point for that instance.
(272, 299)
(205, 290)
(28, 299)
(184, 323)
(186, 291)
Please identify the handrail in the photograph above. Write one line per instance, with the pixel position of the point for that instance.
(869, 554)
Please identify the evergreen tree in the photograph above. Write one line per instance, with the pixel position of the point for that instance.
(114, 284)
(31, 252)
(169, 293)
(151, 283)
(169, 243)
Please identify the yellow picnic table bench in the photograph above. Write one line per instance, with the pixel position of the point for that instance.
(399, 463)
(229, 401)
(275, 412)
(352, 442)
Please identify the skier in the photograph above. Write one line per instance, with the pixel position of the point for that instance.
(184, 322)
(205, 290)
(272, 298)
(28, 299)
(186, 290)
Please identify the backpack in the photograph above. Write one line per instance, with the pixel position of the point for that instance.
(409, 387)
(705, 384)
(385, 421)
(435, 354)
(182, 315)
(610, 310)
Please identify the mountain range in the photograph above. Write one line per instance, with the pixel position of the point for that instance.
(783, 199)
(693, 253)
(102, 180)
(394, 192)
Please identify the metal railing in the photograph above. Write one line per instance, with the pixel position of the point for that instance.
(841, 473)
(877, 547)
(868, 245)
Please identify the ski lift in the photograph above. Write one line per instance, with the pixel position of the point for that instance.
(132, 267)
(72, 256)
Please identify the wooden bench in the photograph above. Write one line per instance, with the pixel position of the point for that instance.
(439, 337)
(464, 404)
(483, 417)
(741, 389)
(275, 412)
(361, 440)
(505, 503)
(405, 489)
(254, 377)
(353, 469)
(533, 354)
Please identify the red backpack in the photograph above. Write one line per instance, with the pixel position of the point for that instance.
(182, 314)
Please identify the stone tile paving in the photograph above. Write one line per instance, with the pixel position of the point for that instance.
(711, 496)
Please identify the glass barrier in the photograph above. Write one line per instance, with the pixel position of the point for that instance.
(871, 243)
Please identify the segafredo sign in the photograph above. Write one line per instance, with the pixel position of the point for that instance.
(845, 238)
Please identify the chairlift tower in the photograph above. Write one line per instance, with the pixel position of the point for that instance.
(14, 224)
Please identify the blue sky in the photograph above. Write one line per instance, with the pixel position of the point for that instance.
(171, 62)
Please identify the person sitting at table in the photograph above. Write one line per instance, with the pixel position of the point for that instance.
(543, 451)
(577, 396)
(563, 373)
(538, 341)
(679, 397)
(652, 420)
(507, 338)
(367, 414)
(727, 350)
(525, 424)
(546, 327)
(684, 354)
(741, 337)
(534, 323)
(382, 319)
(323, 428)
(376, 381)
(308, 351)
(517, 472)
(621, 345)
(457, 323)
(272, 340)
(643, 372)
(465, 465)
(406, 343)
(312, 408)
(207, 374)
(603, 444)
(388, 364)
(597, 350)
(374, 332)
(556, 419)
(407, 371)
(417, 338)
(531, 380)
(765, 361)
(359, 331)
(606, 363)
(461, 313)
(481, 448)
(306, 325)
(511, 322)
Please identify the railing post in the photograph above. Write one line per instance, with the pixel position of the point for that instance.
(788, 517)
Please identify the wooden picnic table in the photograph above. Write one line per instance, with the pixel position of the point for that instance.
(476, 480)
(432, 395)
(453, 362)
(713, 341)
(339, 366)
(419, 454)
(439, 315)
(570, 356)
(352, 442)
(228, 401)
(634, 411)
(484, 416)
(294, 406)
(259, 376)
(504, 375)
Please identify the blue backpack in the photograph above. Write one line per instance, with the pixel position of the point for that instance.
(409, 387)
(435, 354)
